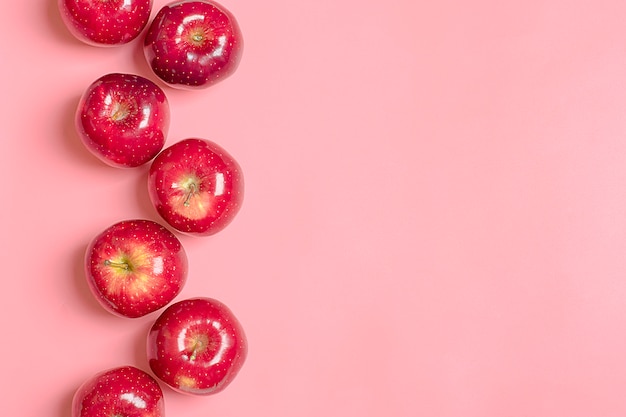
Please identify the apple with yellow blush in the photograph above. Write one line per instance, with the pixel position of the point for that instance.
(196, 186)
(135, 267)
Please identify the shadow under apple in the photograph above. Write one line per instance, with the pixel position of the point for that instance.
(141, 358)
(65, 404)
(83, 292)
(53, 17)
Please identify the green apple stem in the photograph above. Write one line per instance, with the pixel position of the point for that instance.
(194, 352)
(192, 191)
(121, 265)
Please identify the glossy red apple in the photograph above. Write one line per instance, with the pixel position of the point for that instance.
(135, 267)
(197, 346)
(196, 186)
(124, 391)
(193, 44)
(105, 22)
(123, 119)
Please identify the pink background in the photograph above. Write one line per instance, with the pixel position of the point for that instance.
(434, 221)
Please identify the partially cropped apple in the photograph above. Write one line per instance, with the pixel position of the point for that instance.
(197, 346)
(196, 186)
(135, 267)
(123, 119)
(124, 391)
(193, 44)
(105, 22)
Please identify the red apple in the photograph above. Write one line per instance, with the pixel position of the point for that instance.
(196, 186)
(123, 119)
(197, 346)
(193, 44)
(105, 22)
(125, 391)
(135, 267)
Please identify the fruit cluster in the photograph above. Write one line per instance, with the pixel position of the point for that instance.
(136, 267)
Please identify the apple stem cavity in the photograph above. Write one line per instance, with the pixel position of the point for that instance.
(120, 113)
(200, 344)
(200, 36)
(197, 38)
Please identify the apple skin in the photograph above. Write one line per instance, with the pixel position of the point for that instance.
(123, 119)
(135, 267)
(105, 22)
(193, 44)
(197, 346)
(196, 186)
(122, 391)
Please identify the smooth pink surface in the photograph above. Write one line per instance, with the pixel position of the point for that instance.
(434, 221)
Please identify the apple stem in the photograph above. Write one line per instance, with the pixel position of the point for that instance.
(194, 353)
(192, 191)
(197, 348)
(122, 265)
